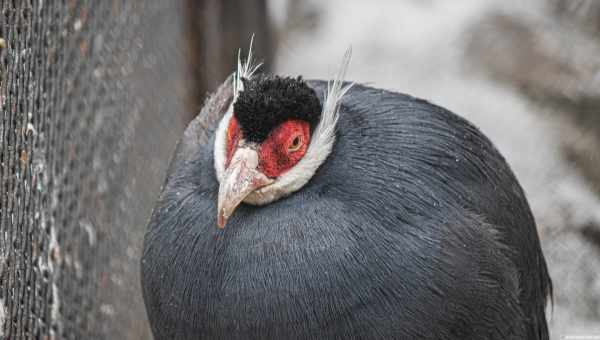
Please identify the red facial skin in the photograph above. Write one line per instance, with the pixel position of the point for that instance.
(278, 153)
(284, 147)
(233, 138)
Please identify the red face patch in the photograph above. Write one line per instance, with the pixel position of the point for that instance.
(284, 147)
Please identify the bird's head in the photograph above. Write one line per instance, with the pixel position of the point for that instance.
(272, 140)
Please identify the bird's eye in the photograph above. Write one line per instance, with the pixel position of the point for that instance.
(296, 144)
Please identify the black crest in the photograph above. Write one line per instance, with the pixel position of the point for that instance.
(268, 101)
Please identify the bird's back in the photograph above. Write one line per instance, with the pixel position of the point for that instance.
(414, 227)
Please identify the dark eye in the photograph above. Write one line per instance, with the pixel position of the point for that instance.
(296, 144)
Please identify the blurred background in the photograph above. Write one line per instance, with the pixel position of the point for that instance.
(95, 94)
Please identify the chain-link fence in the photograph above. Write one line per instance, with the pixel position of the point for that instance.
(93, 97)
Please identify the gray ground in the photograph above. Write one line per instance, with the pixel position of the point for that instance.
(524, 74)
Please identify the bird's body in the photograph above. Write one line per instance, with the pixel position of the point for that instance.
(413, 228)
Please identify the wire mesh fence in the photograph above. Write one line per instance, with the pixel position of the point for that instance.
(93, 97)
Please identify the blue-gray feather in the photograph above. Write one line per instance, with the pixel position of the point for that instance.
(413, 228)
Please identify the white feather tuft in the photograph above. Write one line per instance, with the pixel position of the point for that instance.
(324, 135)
(335, 92)
(245, 70)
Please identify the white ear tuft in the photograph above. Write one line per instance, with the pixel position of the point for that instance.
(325, 131)
(244, 70)
(335, 92)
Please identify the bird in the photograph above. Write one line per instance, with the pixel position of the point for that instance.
(325, 209)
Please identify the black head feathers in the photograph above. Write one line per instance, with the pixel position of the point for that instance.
(268, 101)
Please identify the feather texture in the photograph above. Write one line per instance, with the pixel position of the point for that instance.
(413, 228)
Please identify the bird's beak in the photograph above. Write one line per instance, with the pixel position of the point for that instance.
(240, 179)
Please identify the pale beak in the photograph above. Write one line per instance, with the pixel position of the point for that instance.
(240, 179)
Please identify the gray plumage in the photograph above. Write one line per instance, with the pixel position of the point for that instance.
(414, 227)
